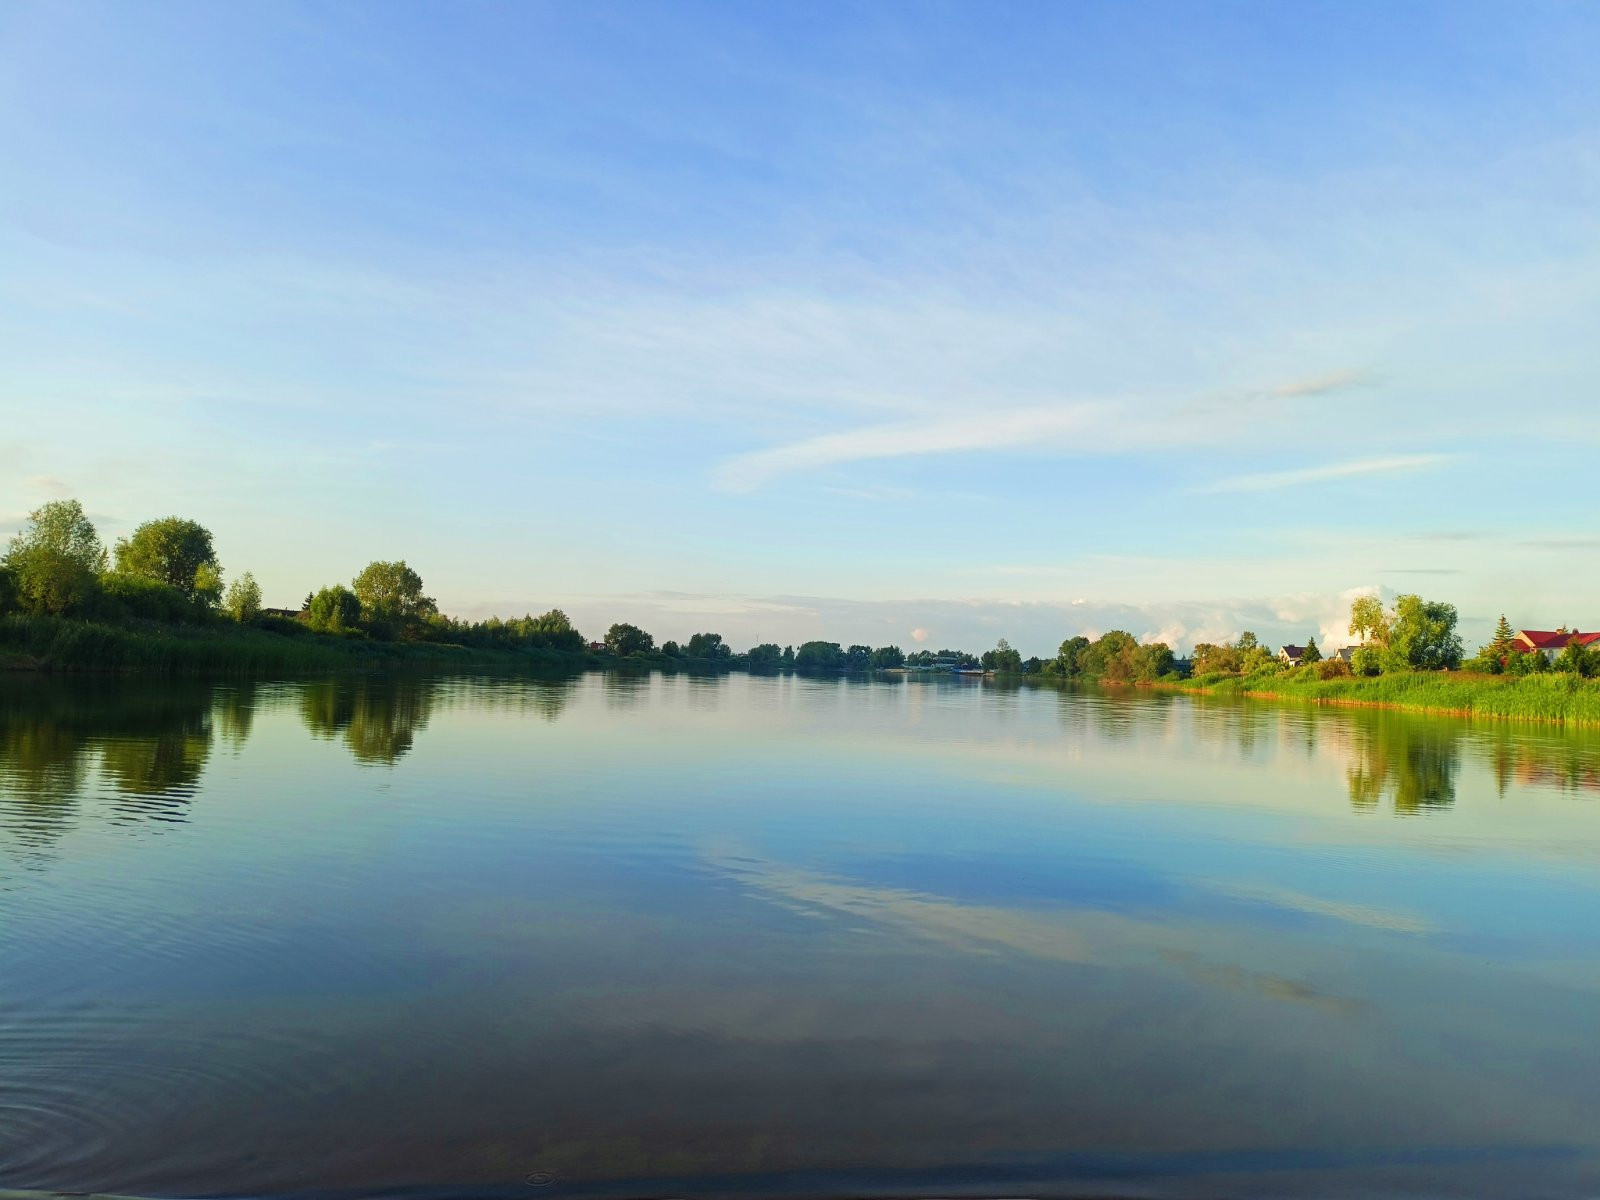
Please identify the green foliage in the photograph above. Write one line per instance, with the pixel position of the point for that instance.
(1423, 634)
(174, 551)
(1504, 642)
(244, 598)
(1312, 655)
(858, 658)
(123, 596)
(766, 657)
(8, 591)
(623, 639)
(672, 649)
(1577, 659)
(1002, 660)
(886, 658)
(1368, 621)
(708, 645)
(819, 656)
(391, 598)
(1112, 657)
(334, 610)
(56, 561)
(1069, 658)
(1367, 660)
(1333, 668)
(1152, 661)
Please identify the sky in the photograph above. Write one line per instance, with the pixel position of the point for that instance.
(925, 324)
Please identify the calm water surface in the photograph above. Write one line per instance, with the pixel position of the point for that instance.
(674, 936)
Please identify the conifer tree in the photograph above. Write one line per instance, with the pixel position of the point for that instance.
(1312, 654)
(1501, 644)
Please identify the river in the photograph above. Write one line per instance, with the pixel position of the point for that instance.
(628, 935)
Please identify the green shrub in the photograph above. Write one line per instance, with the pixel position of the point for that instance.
(123, 595)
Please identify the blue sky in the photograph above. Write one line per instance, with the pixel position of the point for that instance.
(851, 321)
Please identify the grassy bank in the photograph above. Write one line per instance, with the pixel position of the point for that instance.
(1556, 698)
(148, 648)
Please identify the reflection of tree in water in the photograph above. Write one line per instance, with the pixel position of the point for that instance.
(1411, 760)
(152, 742)
(624, 688)
(1566, 759)
(234, 711)
(378, 718)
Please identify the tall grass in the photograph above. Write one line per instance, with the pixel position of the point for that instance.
(147, 648)
(1555, 697)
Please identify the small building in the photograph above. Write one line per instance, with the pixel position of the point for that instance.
(1550, 643)
(597, 647)
(1292, 655)
(288, 614)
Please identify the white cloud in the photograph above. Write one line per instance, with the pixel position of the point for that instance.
(988, 431)
(919, 635)
(1273, 480)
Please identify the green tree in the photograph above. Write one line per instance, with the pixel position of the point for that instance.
(708, 645)
(1368, 621)
(1311, 655)
(623, 639)
(1422, 635)
(766, 657)
(55, 561)
(1505, 639)
(1576, 659)
(671, 649)
(788, 656)
(1069, 658)
(858, 658)
(886, 658)
(8, 591)
(1366, 660)
(244, 598)
(334, 610)
(1153, 660)
(174, 551)
(1112, 657)
(818, 656)
(208, 586)
(391, 596)
(1003, 660)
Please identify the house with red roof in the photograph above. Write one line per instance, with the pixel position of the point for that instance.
(1551, 643)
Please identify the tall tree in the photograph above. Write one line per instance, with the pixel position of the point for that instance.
(173, 551)
(334, 610)
(56, 559)
(1422, 635)
(1368, 621)
(1504, 640)
(623, 639)
(391, 595)
(244, 598)
(1311, 653)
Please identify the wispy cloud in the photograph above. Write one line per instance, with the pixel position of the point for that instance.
(1273, 480)
(986, 431)
(1118, 426)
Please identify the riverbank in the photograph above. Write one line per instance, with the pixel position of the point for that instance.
(1556, 698)
(55, 644)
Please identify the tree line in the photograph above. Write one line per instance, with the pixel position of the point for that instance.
(167, 570)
